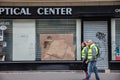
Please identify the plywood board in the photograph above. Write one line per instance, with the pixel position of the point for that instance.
(57, 47)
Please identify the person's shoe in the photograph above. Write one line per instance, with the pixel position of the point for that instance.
(84, 79)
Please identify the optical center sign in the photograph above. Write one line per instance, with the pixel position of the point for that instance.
(58, 12)
(39, 11)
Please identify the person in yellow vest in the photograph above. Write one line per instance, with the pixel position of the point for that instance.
(84, 57)
(91, 60)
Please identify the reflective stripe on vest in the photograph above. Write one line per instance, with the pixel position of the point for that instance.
(83, 52)
(90, 51)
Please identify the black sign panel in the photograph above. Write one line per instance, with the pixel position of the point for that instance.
(58, 12)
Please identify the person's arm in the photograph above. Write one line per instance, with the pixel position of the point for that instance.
(93, 54)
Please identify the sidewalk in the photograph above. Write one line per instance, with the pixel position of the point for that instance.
(53, 75)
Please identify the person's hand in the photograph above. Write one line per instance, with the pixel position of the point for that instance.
(86, 61)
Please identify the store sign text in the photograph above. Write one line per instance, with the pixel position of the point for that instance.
(54, 11)
(39, 11)
(15, 11)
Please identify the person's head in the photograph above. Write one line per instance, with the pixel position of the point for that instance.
(90, 42)
(83, 44)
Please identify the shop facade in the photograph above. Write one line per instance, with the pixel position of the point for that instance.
(49, 37)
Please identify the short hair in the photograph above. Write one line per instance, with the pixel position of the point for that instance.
(84, 43)
(90, 41)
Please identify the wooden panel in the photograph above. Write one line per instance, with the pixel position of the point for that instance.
(57, 47)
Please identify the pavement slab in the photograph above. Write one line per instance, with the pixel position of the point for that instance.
(54, 75)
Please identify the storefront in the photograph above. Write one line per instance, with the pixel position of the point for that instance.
(42, 38)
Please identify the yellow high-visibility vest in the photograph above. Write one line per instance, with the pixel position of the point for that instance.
(90, 51)
(83, 52)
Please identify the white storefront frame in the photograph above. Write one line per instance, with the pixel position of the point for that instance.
(113, 39)
(78, 39)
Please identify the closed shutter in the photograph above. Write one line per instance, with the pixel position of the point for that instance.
(23, 40)
(97, 31)
(117, 32)
(117, 38)
(53, 26)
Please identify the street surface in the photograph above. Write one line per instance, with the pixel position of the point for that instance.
(54, 75)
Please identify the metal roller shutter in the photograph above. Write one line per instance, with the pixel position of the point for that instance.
(97, 31)
(53, 26)
(117, 32)
(117, 40)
